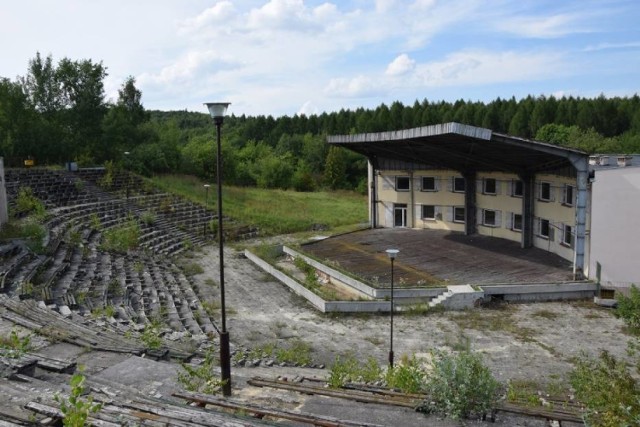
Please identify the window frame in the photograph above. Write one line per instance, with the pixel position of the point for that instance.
(568, 201)
(484, 217)
(567, 230)
(542, 221)
(513, 222)
(542, 186)
(464, 215)
(422, 186)
(402, 177)
(495, 186)
(422, 212)
(459, 179)
(514, 187)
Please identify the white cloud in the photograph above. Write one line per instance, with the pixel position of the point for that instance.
(485, 67)
(218, 13)
(186, 67)
(607, 46)
(401, 65)
(357, 87)
(542, 26)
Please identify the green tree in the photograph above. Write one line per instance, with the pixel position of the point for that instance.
(335, 168)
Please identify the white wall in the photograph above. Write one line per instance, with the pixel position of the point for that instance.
(615, 226)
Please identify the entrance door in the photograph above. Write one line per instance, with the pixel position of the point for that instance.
(400, 215)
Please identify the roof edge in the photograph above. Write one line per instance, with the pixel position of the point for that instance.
(424, 131)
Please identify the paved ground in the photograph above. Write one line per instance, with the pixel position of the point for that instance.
(439, 257)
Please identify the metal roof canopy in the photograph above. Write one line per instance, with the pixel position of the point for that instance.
(461, 147)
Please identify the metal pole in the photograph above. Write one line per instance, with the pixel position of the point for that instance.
(225, 359)
(391, 335)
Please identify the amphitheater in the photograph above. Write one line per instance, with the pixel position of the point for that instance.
(84, 303)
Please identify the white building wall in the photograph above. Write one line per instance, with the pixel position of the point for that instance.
(615, 227)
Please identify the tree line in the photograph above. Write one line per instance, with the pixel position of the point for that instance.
(58, 113)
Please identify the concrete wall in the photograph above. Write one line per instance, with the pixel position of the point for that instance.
(541, 291)
(615, 233)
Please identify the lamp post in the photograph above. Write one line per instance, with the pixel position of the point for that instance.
(217, 111)
(392, 256)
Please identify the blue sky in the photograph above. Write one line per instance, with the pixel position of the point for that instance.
(284, 57)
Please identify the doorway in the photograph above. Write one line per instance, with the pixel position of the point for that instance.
(400, 215)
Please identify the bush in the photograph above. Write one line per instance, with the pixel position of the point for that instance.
(348, 369)
(605, 386)
(460, 386)
(629, 308)
(75, 408)
(408, 376)
(28, 203)
(201, 379)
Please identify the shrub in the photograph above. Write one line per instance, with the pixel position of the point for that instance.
(606, 387)
(409, 376)
(201, 378)
(15, 346)
(75, 408)
(28, 203)
(122, 238)
(460, 386)
(629, 308)
(349, 369)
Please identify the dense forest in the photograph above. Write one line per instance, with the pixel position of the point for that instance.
(58, 113)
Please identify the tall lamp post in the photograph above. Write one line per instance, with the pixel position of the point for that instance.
(217, 111)
(392, 256)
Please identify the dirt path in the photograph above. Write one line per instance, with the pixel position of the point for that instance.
(518, 341)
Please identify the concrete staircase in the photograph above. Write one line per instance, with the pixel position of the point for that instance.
(457, 297)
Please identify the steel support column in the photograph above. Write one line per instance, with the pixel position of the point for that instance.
(469, 202)
(528, 212)
(581, 163)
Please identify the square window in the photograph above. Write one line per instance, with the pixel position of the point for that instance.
(545, 191)
(402, 183)
(458, 185)
(489, 186)
(516, 223)
(458, 214)
(428, 183)
(428, 212)
(517, 188)
(488, 217)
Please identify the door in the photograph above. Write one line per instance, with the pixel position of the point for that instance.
(400, 215)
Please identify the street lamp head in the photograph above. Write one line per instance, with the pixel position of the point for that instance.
(126, 153)
(206, 185)
(217, 109)
(392, 253)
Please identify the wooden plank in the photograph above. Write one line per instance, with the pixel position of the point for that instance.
(275, 413)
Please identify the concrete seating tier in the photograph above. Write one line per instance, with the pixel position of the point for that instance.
(76, 274)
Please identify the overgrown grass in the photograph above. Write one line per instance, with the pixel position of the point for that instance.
(275, 211)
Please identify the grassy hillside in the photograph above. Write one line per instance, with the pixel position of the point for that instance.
(275, 211)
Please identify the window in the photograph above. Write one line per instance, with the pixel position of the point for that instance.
(516, 222)
(567, 235)
(489, 218)
(544, 191)
(517, 188)
(458, 214)
(489, 186)
(429, 183)
(544, 229)
(458, 185)
(568, 195)
(428, 212)
(402, 183)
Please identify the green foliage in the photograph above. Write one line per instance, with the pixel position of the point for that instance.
(348, 369)
(75, 408)
(297, 352)
(608, 390)
(151, 336)
(201, 378)
(460, 386)
(15, 346)
(192, 269)
(29, 229)
(148, 217)
(335, 170)
(122, 238)
(628, 308)
(408, 376)
(28, 204)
